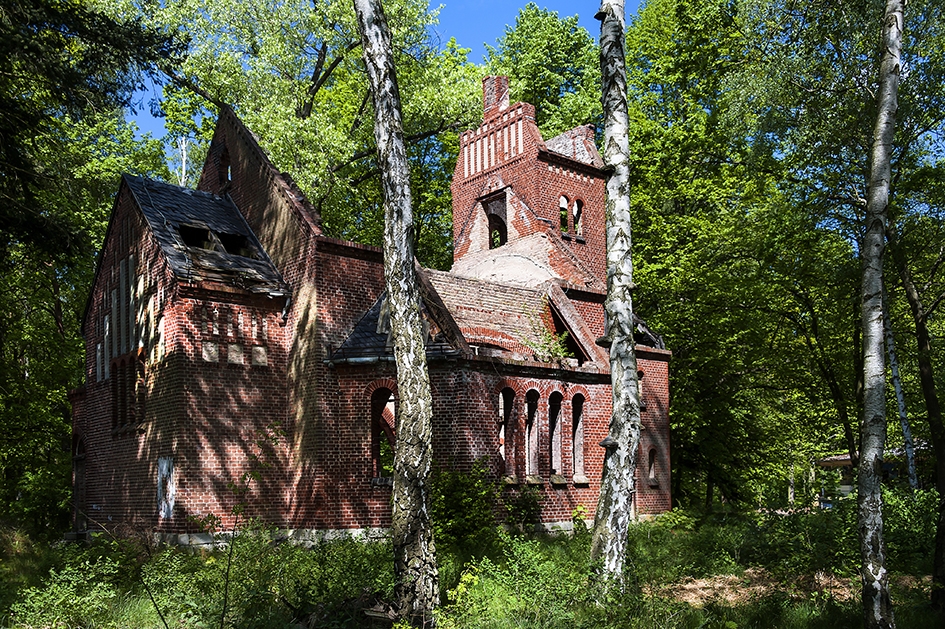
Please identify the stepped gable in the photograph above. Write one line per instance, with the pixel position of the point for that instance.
(204, 236)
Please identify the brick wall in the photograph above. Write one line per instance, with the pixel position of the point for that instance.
(221, 365)
(506, 156)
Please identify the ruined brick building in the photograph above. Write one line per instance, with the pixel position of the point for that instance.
(220, 313)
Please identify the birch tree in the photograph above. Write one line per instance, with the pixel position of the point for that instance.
(415, 571)
(615, 505)
(877, 608)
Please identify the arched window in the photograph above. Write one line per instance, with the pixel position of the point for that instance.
(506, 399)
(577, 216)
(577, 436)
(383, 438)
(651, 467)
(498, 234)
(226, 168)
(640, 390)
(554, 431)
(531, 433)
(563, 212)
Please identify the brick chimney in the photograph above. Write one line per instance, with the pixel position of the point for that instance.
(495, 95)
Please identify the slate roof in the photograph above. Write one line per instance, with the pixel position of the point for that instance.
(366, 341)
(230, 252)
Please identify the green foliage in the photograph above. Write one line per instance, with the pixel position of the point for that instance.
(524, 507)
(293, 73)
(909, 521)
(464, 506)
(547, 346)
(59, 60)
(41, 307)
(553, 64)
(520, 581)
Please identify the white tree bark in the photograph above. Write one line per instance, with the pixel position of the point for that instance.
(877, 609)
(615, 505)
(900, 395)
(415, 570)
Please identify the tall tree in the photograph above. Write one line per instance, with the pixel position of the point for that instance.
(415, 569)
(877, 608)
(303, 92)
(615, 504)
(552, 63)
(57, 59)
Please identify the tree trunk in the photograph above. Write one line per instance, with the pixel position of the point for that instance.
(900, 395)
(933, 411)
(877, 609)
(615, 505)
(415, 570)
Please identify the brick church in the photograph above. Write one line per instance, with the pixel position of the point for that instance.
(226, 334)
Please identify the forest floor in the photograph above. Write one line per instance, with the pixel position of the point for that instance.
(755, 583)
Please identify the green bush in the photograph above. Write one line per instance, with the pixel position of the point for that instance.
(909, 526)
(464, 506)
(80, 593)
(524, 507)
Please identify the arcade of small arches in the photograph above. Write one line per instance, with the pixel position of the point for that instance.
(533, 438)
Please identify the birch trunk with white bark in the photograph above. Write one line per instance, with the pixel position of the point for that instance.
(877, 609)
(900, 395)
(415, 570)
(615, 505)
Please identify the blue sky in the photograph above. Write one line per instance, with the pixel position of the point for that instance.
(472, 22)
(475, 22)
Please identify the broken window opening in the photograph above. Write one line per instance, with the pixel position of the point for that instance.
(226, 168)
(197, 237)
(554, 431)
(640, 399)
(238, 245)
(166, 487)
(577, 436)
(577, 216)
(531, 433)
(383, 438)
(651, 467)
(506, 399)
(498, 233)
(563, 213)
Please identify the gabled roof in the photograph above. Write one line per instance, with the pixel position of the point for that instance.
(204, 237)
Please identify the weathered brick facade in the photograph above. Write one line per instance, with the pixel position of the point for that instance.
(229, 342)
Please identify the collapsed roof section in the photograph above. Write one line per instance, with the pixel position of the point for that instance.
(205, 237)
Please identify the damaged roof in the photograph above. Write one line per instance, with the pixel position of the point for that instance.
(577, 144)
(204, 237)
(371, 336)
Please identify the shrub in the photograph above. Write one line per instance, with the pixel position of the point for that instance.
(524, 508)
(464, 505)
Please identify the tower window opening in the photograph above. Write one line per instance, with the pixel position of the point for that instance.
(578, 214)
(563, 213)
(498, 235)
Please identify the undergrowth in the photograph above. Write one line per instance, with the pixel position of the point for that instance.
(493, 576)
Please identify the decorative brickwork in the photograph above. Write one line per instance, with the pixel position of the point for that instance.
(226, 335)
